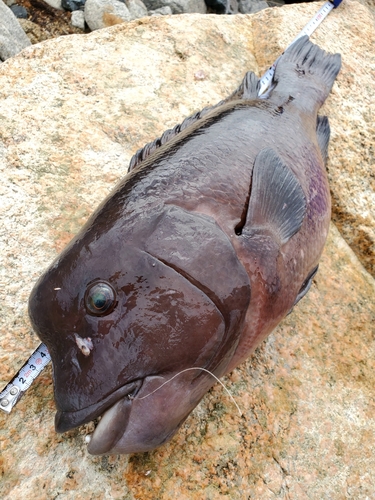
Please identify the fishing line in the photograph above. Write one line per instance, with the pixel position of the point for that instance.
(195, 368)
(39, 359)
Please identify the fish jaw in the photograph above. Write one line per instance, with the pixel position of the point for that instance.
(152, 417)
(67, 420)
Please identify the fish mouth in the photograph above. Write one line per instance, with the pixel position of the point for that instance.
(139, 416)
(67, 420)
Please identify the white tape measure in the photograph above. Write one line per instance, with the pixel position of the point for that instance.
(24, 378)
(11, 394)
(310, 27)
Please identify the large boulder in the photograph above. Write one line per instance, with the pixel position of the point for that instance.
(72, 112)
(12, 37)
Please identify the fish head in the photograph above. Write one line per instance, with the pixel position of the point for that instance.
(118, 324)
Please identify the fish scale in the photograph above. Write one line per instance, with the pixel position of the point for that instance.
(14, 390)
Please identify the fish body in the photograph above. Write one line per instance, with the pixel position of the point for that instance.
(193, 259)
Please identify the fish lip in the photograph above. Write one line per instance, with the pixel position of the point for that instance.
(67, 420)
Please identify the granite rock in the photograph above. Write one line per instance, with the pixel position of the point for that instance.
(103, 13)
(12, 37)
(73, 111)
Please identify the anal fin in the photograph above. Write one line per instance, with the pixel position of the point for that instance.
(277, 203)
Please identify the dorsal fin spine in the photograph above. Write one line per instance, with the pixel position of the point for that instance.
(247, 90)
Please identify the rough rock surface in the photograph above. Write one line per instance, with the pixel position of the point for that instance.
(73, 110)
(12, 37)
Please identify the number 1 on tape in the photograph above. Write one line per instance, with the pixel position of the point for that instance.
(40, 357)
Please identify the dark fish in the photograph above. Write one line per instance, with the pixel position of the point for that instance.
(206, 244)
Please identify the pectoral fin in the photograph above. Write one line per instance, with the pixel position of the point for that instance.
(276, 203)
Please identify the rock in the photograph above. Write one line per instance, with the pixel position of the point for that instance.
(104, 13)
(178, 6)
(56, 4)
(12, 36)
(73, 111)
(251, 6)
(163, 11)
(78, 19)
(72, 5)
(19, 11)
(218, 6)
(222, 6)
(136, 8)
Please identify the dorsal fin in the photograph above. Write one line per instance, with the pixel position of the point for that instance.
(277, 202)
(246, 91)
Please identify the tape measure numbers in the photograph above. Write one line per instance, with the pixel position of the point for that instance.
(11, 394)
(24, 378)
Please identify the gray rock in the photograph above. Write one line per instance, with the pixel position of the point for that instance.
(136, 8)
(19, 11)
(104, 13)
(78, 19)
(178, 6)
(72, 5)
(12, 37)
(163, 11)
(251, 6)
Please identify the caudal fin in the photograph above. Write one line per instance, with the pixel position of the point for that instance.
(306, 64)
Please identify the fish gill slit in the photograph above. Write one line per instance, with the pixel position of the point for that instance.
(239, 227)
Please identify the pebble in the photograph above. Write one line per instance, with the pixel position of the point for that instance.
(19, 11)
(78, 19)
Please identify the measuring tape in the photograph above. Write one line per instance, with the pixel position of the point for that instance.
(310, 27)
(24, 378)
(12, 393)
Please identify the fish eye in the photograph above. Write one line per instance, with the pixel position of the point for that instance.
(100, 299)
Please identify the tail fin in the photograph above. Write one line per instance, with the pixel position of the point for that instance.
(303, 62)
